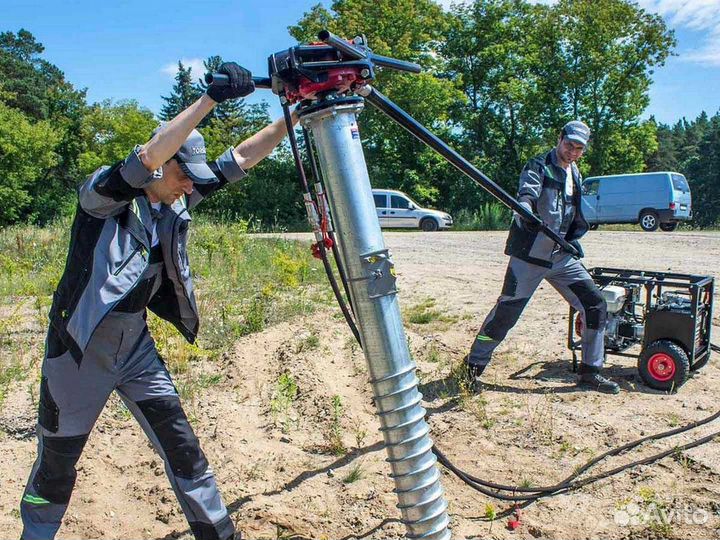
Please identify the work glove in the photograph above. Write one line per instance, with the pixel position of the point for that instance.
(529, 225)
(576, 245)
(240, 84)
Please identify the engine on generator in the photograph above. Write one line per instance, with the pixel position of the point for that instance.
(625, 326)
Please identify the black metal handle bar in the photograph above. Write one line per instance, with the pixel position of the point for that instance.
(352, 51)
(433, 141)
(220, 79)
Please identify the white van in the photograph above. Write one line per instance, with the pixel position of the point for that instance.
(657, 199)
(395, 209)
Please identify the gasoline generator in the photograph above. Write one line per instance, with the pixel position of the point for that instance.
(666, 316)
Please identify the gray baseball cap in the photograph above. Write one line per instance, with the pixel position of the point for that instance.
(577, 131)
(192, 158)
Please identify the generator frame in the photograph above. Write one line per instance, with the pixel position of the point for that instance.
(692, 332)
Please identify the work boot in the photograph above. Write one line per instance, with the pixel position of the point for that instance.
(472, 375)
(589, 377)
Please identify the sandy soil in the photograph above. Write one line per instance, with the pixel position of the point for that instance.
(529, 426)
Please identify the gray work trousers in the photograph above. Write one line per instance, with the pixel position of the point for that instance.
(570, 278)
(121, 356)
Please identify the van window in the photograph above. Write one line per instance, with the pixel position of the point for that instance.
(380, 201)
(590, 187)
(679, 182)
(399, 202)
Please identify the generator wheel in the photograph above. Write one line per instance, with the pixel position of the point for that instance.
(664, 365)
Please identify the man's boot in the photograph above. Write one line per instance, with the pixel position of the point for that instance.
(589, 377)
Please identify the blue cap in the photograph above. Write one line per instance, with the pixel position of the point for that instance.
(577, 131)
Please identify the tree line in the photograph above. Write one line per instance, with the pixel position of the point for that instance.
(500, 78)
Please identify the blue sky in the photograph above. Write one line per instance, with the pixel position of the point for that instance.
(128, 50)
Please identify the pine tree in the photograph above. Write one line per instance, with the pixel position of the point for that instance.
(184, 93)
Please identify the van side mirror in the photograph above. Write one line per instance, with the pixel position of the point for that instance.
(411, 206)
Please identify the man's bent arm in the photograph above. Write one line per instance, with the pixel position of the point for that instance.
(168, 140)
(251, 151)
(232, 165)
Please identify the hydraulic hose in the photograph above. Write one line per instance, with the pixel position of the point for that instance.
(532, 493)
(313, 215)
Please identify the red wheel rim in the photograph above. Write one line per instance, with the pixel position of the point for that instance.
(661, 367)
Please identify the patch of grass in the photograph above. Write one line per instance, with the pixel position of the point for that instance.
(9, 374)
(491, 216)
(355, 474)
(433, 354)
(286, 391)
(334, 433)
(426, 313)
(308, 343)
(526, 482)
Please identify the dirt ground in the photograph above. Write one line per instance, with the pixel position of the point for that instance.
(529, 426)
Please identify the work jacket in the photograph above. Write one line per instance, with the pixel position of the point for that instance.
(542, 190)
(109, 251)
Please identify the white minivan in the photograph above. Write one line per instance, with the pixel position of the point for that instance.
(395, 209)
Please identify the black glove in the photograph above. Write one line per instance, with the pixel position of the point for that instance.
(240, 84)
(576, 245)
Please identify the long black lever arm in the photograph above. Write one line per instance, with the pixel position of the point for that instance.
(397, 114)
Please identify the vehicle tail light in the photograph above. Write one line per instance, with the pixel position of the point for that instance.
(672, 206)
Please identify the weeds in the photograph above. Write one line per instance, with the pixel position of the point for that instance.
(334, 434)
(286, 391)
(308, 343)
(425, 313)
(491, 216)
(355, 474)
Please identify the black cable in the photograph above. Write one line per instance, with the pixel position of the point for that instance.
(321, 247)
(486, 487)
(331, 234)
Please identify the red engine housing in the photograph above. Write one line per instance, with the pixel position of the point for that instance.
(338, 79)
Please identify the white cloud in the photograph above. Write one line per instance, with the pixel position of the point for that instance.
(198, 69)
(701, 16)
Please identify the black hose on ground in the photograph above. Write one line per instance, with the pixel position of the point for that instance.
(492, 489)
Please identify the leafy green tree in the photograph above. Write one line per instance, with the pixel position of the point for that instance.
(269, 196)
(184, 93)
(111, 131)
(27, 153)
(609, 49)
(39, 89)
(409, 30)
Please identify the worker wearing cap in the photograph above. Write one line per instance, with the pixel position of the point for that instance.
(550, 189)
(128, 253)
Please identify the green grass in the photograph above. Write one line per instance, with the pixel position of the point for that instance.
(243, 284)
(355, 474)
(284, 394)
(334, 432)
(425, 313)
(491, 216)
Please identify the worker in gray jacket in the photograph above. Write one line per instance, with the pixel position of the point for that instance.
(128, 253)
(550, 188)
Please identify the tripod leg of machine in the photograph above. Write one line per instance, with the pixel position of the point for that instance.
(420, 132)
(371, 282)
